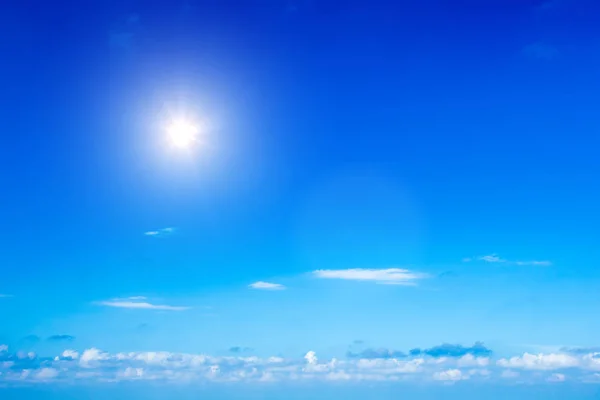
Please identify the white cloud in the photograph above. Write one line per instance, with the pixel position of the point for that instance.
(3, 348)
(46, 374)
(138, 302)
(131, 373)
(90, 356)
(311, 357)
(266, 286)
(70, 354)
(492, 258)
(534, 263)
(391, 365)
(160, 232)
(468, 360)
(101, 366)
(390, 276)
(449, 375)
(591, 361)
(540, 361)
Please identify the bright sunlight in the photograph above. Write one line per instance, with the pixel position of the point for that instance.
(182, 134)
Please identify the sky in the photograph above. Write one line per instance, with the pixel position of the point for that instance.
(377, 199)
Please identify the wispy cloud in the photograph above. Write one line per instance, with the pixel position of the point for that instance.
(580, 350)
(369, 354)
(534, 263)
(160, 232)
(389, 276)
(5, 296)
(266, 286)
(494, 258)
(139, 302)
(61, 338)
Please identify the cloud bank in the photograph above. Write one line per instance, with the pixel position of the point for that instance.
(95, 365)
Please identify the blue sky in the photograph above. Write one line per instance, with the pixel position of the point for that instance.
(393, 195)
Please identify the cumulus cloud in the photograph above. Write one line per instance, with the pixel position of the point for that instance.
(102, 366)
(449, 375)
(311, 357)
(68, 355)
(266, 286)
(389, 276)
(469, 360)
(540, 361)
(160, 232)
(139, 302)
(495, 259)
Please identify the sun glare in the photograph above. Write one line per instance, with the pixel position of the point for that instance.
(182, 134)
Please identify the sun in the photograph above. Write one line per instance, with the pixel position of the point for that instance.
(182, 134)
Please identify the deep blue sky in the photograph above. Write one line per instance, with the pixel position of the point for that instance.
(455, 141)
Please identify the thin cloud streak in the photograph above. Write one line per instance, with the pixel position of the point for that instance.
(495, 259)
(137, 303)
(389, 276)
(160, 232)
(260, 285)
